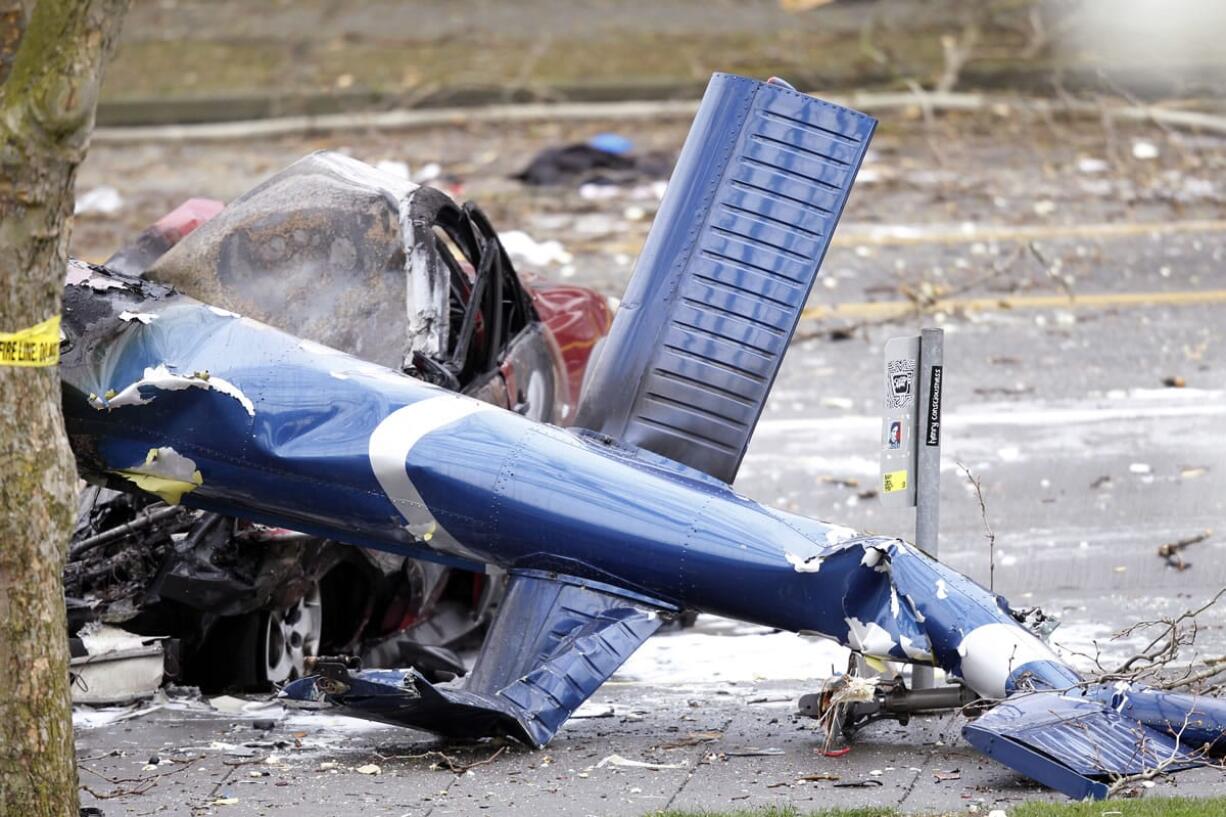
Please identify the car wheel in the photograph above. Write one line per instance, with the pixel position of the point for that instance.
(289, 636)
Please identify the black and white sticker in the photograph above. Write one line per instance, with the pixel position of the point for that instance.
(933, 435)
(900, 384)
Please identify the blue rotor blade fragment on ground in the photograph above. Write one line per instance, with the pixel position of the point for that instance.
(554, 641)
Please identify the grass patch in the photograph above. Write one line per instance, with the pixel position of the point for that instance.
(1150, 807)
(1155, 807)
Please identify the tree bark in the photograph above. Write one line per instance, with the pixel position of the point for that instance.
(51, 58)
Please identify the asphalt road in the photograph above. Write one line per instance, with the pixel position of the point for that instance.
(1080, 268)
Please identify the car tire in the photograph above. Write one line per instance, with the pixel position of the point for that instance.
(261, 650)
(287, 637)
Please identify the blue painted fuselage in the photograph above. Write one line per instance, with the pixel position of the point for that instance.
(310, 438)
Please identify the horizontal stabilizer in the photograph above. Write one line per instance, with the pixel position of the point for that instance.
(554, 641)
(1074, 743)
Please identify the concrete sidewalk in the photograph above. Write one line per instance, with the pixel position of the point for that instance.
(719, 747)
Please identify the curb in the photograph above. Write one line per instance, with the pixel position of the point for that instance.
(416, 118)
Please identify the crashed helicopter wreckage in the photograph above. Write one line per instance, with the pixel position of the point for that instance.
(608, 530)
(338, 254)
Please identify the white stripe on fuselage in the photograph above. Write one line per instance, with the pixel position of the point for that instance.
(389, 447)
(993, 652)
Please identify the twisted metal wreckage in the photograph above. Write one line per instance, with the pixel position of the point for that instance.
(608, 530)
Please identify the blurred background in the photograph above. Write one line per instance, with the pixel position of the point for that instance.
(1046, 184)
(219, 59)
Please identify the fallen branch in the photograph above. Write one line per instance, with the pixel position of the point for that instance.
(991, 534)
(1173, 551)
(143, 784)
(1164, 647)
(119, 792)
(445, 761)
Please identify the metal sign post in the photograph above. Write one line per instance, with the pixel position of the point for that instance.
(911, 441)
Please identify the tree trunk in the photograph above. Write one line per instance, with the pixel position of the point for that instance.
(51, 58)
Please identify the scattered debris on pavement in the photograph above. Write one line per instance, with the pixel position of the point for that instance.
(111, 666)
(619, 762)
(605, 160)
(1172, 552)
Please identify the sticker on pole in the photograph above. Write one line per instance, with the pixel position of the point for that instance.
(37, 346)
(893, 482)
(901, 383)
(900, 405)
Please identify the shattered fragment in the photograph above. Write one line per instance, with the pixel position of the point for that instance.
(693, 739)
(165, 472)
(113, 666)
(161, 378)
(805, 564)
(82, 274)
(143, 317)
(619, 762)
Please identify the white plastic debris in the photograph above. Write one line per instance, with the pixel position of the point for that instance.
(1139, 468)
(428, 173)
(598, 192)
(1088, 164)
(617, 761)
(369, 768)
(118, 667)
(590, 710)
(522, 246)
(102, 201)
(228, 704)
(1144, 150)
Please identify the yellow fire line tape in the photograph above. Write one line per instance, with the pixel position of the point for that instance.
(37, 346)
(894, 309)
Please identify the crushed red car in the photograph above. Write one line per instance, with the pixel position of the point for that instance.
(342, 255)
